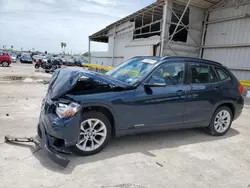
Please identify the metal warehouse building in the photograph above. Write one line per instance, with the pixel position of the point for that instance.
(218, 30)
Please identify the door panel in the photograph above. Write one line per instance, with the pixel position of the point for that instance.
(160, 105)
(200, 101)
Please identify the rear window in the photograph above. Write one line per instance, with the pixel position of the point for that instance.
(202, 74)
(221, 73)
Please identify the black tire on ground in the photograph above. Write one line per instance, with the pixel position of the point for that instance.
(105, 120)
(5, 64)
(37, 66)
(211, 128)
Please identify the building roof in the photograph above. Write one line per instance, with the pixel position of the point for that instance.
(101, 36)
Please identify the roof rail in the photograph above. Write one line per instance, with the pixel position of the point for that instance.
(191, 58)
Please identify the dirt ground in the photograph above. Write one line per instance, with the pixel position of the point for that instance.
(185, 158)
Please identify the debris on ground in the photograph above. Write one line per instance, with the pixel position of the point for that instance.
(7, 114)
(13, 78)
(159, 164)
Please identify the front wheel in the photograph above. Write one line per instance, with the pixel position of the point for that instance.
(5, 64)
(220, 122)
(95, 132)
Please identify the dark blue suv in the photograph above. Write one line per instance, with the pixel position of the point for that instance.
(83, 110)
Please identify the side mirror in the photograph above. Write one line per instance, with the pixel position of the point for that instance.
(148, 85)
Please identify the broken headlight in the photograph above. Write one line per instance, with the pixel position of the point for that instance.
(67, 110)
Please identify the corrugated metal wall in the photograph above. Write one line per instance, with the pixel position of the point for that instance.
(196, 17)
(124, 34)
(228, 41)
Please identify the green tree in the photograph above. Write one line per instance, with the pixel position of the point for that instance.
(65, 46)
(86, 54)
(62, 45)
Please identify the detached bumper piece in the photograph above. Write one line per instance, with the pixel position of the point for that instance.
(55, 154)
(12, 139)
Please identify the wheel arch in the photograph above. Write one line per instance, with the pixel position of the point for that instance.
(229, 104)
(106, 110)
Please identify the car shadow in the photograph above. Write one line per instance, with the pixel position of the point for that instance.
(142, 143)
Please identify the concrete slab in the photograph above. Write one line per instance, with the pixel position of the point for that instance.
(185, 158)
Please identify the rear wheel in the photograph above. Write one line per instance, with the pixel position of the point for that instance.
(37, 66)
(95, 132)
(220, 122)
(5, 64)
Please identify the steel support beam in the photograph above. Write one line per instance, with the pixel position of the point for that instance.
(179, 22)
(221, 3)
(227, 46)
(185, 27)
(113, 52)
(164, 25)
(89, 55)
(204, 31)
(228, 19)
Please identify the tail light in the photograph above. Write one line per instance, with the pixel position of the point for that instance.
(241, 88)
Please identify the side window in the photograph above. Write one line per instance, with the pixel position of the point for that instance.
(221, 73)
(169, 74)
(202, 74)
(1, 53)
(213, 77)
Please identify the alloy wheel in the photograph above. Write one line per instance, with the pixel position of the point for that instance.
(222, 121)
(5, 64)
(93, 133)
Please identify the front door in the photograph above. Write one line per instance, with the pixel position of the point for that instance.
(159, 100)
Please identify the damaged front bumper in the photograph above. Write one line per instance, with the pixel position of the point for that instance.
(54, 153)
(57, 134)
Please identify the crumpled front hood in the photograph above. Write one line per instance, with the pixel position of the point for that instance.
(65, 79)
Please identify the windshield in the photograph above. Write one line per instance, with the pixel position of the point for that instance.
(133, 70)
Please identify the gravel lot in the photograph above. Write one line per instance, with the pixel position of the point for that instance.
(186, 158)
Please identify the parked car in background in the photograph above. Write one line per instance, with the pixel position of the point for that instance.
(85, 109)
(13, 56)
(5, 59)
(36, 57)
(80, 61)
(69, 62)
(19, 54)
(26, 58)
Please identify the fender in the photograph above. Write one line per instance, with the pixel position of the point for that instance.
(104, 105)
(220, 103)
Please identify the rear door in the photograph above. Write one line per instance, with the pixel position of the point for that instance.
(205, 92)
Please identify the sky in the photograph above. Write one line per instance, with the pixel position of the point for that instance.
(44, 24)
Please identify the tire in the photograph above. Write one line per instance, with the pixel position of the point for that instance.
(5, 64)
(47, 71)
(217, 126)
(85, 137)
(37, 66)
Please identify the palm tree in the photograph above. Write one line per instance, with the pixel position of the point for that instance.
(12, 47)
(65, 46)
(62, 45)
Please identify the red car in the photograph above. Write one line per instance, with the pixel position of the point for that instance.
(5, 59)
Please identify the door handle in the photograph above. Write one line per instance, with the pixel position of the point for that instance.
(180, 92)
(216, 88)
